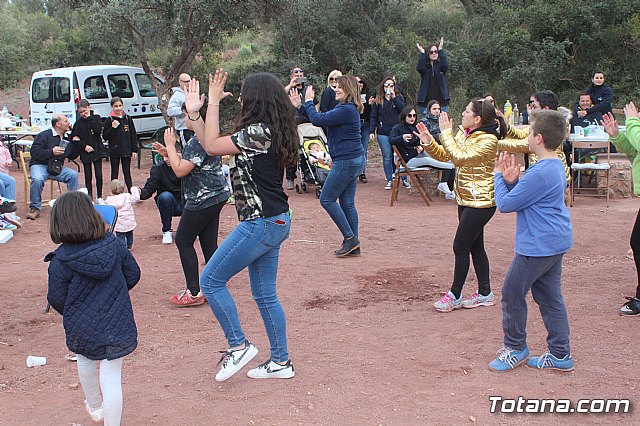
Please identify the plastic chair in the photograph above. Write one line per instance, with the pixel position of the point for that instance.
(603, 164)
(157, 136)
(24, 155)
(109, 214)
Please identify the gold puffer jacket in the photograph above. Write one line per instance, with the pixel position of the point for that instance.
(517, 141)
(474, 158)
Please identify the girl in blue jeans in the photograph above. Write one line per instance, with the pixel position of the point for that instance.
(345, 148)
(264, 143)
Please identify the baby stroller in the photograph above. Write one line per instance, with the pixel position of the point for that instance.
(308, 170)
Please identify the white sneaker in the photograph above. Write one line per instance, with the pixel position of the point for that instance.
(234, 360)
(167, 238)
(444, 188)
(272, 370)
(388, 185)
(100, 201)
(450, 196)
(85, 191)
(96, 415)
(406, 184)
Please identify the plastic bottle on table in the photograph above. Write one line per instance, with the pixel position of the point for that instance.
(516, 115)
(507, 111)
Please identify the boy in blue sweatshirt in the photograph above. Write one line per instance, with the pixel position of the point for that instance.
(543, 236)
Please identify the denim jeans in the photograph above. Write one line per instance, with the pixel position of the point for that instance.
(7, 186)
(39, 175)
(126, 237)
(387, 156)
(168, 207)
(541, 275)
(364, 135)
(341, 185)
(254, 244)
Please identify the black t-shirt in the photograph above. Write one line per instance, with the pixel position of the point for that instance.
(257, 177)
(206, 184)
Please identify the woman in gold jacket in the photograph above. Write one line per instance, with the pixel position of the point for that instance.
(472, 150)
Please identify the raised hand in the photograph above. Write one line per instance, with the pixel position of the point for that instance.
(420, 47)
(444, 122)
(294, 97)
(309, 94)
(507, 165)
(169, 137)
(192, 98)
(423, 134)
(216, 87)
(630, 110)
(610, 125)
(159, 148)
(441, 43)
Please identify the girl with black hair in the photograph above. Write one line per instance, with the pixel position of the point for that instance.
(472, 150)
(264, 143)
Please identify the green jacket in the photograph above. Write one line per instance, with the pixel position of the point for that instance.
(629, 143)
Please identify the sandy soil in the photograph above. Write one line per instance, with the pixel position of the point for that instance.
(367, 345)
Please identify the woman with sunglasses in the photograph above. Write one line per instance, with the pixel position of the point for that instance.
(328, 99)
(345, 148)
(433, 66)
(385, 110)
(472, 149)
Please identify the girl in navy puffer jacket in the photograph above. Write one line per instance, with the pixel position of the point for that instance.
(90, 276)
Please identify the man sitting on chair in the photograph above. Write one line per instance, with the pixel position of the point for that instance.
(46, 146)
(163, 181)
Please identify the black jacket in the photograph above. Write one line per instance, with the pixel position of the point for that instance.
(602, 96)
(89, 286)
(427, 72)
(385, 116)
(123, 140)
(89, 130)
(42, 148)
(161, 179)
(433, 125)
(406, 148)
(328, 100)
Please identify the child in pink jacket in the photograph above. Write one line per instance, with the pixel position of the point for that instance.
(123, 202)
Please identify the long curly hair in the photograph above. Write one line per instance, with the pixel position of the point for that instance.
(265, 101)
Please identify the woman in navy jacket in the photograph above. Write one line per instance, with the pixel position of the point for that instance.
(433, 82)
(384, 115)
(345, 148)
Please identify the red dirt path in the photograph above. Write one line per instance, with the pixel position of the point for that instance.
(367, 345)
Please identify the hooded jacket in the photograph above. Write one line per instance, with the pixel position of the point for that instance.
(89, 131)
(89, 286)
(123, 140)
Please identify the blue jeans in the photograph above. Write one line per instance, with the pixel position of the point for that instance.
(387, 156)
(7, 186)
(364, 135)
(255, 244)
(126, 237)
(341, 185)
(168, 207)
(39, 175)
(542, 276)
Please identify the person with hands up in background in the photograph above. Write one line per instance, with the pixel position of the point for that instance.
(629, 143)
(264, 143)
(433, 66)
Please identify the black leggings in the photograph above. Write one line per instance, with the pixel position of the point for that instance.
(448, 175)
(635, 246)
(88, 177)
(202, 224)
(469, 239)
(126, 169)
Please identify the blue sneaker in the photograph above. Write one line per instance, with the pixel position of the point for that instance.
(547, 361)
(508, 359)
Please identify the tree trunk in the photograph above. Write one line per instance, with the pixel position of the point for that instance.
(467, 7)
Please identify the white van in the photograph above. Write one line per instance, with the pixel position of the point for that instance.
(59, 90)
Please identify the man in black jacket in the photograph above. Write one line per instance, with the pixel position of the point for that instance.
(46, 146)
(163, 181)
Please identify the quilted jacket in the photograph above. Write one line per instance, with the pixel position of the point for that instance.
(89, 286)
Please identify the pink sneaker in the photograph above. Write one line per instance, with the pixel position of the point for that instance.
(448, 303)
(479, 300)
(185, 298)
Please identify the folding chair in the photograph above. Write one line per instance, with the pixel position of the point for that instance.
(25, 155)
(401, 171)
(603, 164)
(157, 136)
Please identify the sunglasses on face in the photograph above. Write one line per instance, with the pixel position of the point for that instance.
(333, 78)
(433, 51)
(185, 81)
(359, 82)
(412, 115)
(389, 85)
(298, 70)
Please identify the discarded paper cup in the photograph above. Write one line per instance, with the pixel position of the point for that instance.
(33, 361)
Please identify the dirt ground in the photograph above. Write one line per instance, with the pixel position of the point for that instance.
(367, 345)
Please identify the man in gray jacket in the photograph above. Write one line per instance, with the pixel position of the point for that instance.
(175, 109)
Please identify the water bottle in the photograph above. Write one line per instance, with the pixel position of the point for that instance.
(516, 115)
(507, 111)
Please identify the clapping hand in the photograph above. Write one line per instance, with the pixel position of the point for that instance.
(192, 98)
(444, 122)
(630, 110)
(294, 97)
(169, 137)
(610, 125)
(506, 164)
(423, 134)
(309, 94)
(216, 87)
(160, 149)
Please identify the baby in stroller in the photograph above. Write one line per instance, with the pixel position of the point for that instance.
(320, 159)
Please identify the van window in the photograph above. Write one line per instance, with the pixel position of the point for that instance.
(120, 85)
(51, 89)
(144, 86)
(94, 88)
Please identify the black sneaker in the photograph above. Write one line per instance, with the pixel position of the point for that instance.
(631, 308)
(355, 253)
(363, 178)
(7, 205)
(348, 246)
